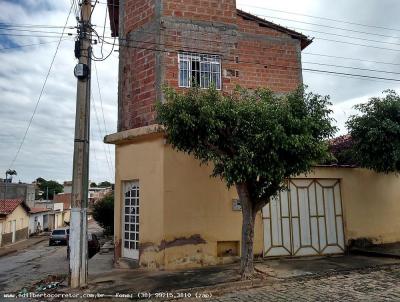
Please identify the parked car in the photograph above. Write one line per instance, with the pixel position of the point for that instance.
(59, 237)
(93, 245)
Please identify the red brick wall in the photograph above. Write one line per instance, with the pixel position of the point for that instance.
(267, 58)
(205, 10)
(138, 86)
(138, 13)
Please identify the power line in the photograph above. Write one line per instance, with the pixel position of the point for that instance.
(326, 26)
(36, 36)
(347, 58)
(323, 39)
(102, 110)
(322, 25)
(40, 95)
(99, 129)
(268, 65)
(9, 24)
(323, 18)
(350, 67)
(29, 45)
(30, 30)
(345, 36)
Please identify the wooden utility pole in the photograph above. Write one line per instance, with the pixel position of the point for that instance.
(78, 228)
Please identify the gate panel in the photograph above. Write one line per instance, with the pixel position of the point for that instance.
(306, 220)
(277, 226)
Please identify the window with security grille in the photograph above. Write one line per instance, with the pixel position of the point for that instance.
(199, 70)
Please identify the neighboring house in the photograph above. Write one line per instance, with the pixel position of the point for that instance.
(38, 220)
(14, 221)
(67, 187)
(97, 193)
(168, 212)
(59, 211)
(65, 199)
(18, 191)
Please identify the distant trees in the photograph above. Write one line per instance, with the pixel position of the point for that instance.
(48, 188)
(375, 133)
(103, 213)
(103, 184)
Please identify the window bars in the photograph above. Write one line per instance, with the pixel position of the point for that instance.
(199, 70)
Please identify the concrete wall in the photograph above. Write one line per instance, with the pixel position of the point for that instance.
(17, 190)
(186, 217)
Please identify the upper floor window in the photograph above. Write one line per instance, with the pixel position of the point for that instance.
(199, 70)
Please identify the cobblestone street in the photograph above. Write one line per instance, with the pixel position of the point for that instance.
(378, 284)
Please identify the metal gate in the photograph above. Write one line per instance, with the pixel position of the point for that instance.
(130, 227)
(305, 220)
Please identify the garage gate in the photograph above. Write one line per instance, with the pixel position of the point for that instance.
(305, 220)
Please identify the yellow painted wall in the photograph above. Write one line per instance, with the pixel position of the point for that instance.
(143, 161)
(184, 212)
(195, 204)
(18, 214)
(371, 203)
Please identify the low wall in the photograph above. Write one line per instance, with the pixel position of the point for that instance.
(6, 239)
(21, 234)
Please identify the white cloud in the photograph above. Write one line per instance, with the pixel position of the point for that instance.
(48, 149)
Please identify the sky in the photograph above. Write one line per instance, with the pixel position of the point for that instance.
(48, 148)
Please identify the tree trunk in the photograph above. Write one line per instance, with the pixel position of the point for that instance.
(249, 216)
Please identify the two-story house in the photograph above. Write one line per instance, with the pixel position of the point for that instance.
(168, 212)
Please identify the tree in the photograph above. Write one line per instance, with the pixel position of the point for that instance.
(254, 139)
(93, 185)
(103, 213)
(376, 133)
(105, 184)
(49, 187)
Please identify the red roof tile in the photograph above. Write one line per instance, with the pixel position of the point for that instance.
(7, 206)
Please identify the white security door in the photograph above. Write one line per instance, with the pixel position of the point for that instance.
(306, 220)
(13, 230)
(130, 221)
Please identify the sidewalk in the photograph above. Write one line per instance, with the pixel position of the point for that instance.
(105, 279)
(22, 245)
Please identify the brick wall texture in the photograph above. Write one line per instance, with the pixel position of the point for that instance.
(253, 55)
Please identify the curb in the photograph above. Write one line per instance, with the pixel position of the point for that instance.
(11, 251)
(374, 254)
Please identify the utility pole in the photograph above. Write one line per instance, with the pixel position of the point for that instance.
(78, 227)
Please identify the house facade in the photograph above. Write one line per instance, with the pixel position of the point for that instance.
(38, 220)
(168, 212)
(14, 220)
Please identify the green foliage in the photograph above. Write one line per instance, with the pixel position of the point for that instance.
(104, 184)
(93, 185)
(252, 137)
(50, 186)
(376, 133)
(103, 213)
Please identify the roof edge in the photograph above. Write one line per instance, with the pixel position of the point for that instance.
(133, 134)
(305, 41)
